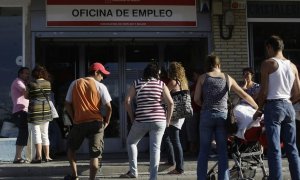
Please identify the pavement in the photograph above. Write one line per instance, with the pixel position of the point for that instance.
(113, 165)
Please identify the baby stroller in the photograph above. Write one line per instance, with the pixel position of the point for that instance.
(247, 155)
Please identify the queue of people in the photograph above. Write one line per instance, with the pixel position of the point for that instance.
(279, 89)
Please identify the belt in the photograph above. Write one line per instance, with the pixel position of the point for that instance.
(276, 100)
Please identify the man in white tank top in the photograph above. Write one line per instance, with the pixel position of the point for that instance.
(280, 87)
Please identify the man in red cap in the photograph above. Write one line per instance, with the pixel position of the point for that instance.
(84, 100)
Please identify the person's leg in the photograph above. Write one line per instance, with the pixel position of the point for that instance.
(94, 166)
(178, 152)
(21, 120)
(288, 130)
(221, 142)
(272, 117)
(45, 140)
(75, 140)
(72, 161)
(157, 130)
(169, 151)
(37, 140)
(137, 132)
(205, 135)
(95, 133)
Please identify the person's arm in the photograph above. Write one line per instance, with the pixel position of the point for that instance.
(170, 104)
(265, 70)
(263, 92)
(295, 95)
(128, 100)
(108, 110)
(241, 93)
(69, 109)
(198, 90)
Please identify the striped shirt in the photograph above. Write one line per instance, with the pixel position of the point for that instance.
(149, 100)
(39, 109)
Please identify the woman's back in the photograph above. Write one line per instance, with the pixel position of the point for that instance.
(214, 92)
(149, 100)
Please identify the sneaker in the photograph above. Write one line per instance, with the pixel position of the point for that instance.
(127, 175)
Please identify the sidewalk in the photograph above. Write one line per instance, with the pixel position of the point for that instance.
(113, 165)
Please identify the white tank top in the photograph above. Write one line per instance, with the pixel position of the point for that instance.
(281, 81)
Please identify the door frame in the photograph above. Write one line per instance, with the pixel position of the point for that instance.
(113, 144)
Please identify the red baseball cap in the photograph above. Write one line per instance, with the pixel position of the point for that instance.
(99, 67)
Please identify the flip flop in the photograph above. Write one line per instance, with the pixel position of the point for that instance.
(20, 161)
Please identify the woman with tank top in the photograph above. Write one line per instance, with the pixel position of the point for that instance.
(149, 116)
(178, 82)
(211, 94)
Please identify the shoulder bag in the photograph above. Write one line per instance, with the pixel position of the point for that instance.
(182, 104)
(231, 123)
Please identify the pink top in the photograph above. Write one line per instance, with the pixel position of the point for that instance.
(18, 90)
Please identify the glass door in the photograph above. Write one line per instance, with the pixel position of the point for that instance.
(109, 56)
(137, 56)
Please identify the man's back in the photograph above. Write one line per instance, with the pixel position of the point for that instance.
(86, 101)
(281, 80)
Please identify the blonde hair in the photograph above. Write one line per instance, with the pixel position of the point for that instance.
(177, 73)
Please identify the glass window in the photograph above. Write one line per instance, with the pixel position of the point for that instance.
(10, 55)
(289, 32)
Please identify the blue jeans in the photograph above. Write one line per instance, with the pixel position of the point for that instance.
(280, 124)
(212, 123)
(175, 148)
(137, 132)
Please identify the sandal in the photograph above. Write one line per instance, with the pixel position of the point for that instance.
(127, 175)
(70, 177)
(20, 161)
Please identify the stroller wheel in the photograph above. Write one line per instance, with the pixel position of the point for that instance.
(265, 178)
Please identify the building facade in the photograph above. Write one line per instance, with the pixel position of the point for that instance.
(126, 35)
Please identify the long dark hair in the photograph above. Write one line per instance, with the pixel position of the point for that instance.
(151, 71)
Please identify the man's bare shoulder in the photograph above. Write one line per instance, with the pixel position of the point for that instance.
(269, 65)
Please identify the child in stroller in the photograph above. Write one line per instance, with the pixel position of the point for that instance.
(245, 147)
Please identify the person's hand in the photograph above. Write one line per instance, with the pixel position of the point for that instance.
(105, 124)
(257, 114)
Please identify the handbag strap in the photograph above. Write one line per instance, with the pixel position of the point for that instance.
(43, 92)
(138, 92)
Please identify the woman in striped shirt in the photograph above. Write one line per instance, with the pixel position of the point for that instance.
(149, 116)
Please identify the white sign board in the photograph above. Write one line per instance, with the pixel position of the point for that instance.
(121, 13)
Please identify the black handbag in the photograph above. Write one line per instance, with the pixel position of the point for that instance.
(231, 123)
(182, 105)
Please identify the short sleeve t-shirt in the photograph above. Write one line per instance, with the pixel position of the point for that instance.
(18, 89)
(87, 107)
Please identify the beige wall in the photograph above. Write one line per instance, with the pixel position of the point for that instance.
(233, 52)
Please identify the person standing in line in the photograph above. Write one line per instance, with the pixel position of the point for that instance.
(193, 123)
(212, 94)
(84, 100)
(39, 112)
(243, 111)
(20, 109)
(280, 87)
(178, 82)
(149, 116)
